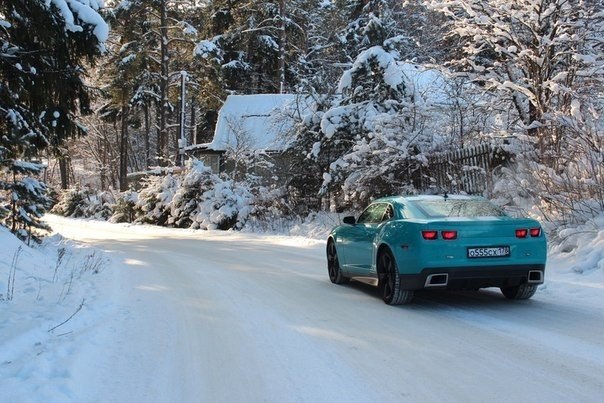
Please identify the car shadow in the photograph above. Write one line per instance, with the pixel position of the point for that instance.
(486, 297)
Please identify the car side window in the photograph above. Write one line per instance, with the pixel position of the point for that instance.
(388, 214)
(373, 214)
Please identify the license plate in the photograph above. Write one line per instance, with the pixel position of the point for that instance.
(493, 251)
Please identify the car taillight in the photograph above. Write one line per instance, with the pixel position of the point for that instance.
(521, 233)
(430, 235)
(449, 235)
(535, 232)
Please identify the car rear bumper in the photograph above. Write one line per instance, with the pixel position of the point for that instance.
(464, 278)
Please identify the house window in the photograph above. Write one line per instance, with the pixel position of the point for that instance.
(211, 161)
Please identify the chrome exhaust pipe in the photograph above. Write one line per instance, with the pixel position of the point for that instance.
(535, 277)
(437, 280)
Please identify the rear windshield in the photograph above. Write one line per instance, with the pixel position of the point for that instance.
(457, 208)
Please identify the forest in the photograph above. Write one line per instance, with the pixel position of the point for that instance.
(99, 101)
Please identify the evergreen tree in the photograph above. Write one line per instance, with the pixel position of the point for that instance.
(376, 135)
(28, 200)
(155, 42)
(43, 46)
(252, 44)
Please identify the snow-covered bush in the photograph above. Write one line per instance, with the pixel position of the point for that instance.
(206, 201)
(562, 198)
(272, 209)
(581, 245)
(199, 200)
(85, 203)
(568, 191)
(225, 206)
(155, 198)
(125, 208)
(188, 196)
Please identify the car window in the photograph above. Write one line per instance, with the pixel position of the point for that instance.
(373, 214)
(389, 213)
(458, 208)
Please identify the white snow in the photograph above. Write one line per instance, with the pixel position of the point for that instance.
(87, 12)
(255, 122)
(205, 48)
(425, 84)
(188, 316)
(392, 73)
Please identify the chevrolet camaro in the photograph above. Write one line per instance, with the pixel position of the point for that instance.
(453, 242)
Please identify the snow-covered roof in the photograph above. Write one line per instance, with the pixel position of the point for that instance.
(254, 122)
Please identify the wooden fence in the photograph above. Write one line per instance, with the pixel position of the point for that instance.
(466, 170)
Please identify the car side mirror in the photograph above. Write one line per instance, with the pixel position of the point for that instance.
(350, 220)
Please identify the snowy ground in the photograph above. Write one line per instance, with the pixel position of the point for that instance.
(182, 316)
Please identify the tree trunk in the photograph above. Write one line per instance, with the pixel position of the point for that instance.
(162, 141)
(147, 136)
(64, 169)
(101, 144)
(193, 138)
(282, 40)
(123, 173)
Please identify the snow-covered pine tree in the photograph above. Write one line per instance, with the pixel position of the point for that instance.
(55, 39)
(374, 136)
(372, 22)
(319, 64)
(42, 49)
(130, 79)
(245, 40)
(307, 161)
(27, 200)
(154, 45)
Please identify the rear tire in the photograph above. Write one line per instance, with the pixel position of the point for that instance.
(522, 291)
(333, 265)
(389, 281)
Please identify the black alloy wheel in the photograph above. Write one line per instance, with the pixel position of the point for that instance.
(333, 264)
(390, 281)
(522, 291)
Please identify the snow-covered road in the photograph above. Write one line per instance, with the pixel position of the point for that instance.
(231, 317)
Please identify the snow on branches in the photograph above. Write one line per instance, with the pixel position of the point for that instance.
(547, 58)
(543, 53)
(78, 13)
(377, 132)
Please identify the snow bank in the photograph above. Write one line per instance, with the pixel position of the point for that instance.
(49, 302)
(581, 249)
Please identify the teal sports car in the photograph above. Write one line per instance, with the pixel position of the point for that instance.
(453, 242)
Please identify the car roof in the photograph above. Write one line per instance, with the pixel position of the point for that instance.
(401, 199)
